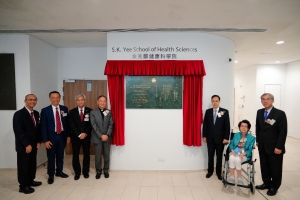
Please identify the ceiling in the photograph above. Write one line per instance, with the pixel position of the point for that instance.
(254, 25)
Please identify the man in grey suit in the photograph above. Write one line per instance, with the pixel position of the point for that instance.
(102, 123)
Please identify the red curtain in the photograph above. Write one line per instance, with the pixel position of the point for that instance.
(116, 96)
(192, 110)
(193, 72)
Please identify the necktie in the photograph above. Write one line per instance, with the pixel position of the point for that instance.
(215, 116)
(58, 123)
(81, 115)
(266, 115)
(32, 118)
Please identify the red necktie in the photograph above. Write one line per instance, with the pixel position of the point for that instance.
(32, 117)
(58, 123)
(81, 115)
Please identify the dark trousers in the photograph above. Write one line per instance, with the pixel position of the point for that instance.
(26, 164)
(85, 144)
(271, 168)
(213, 148)
(56, 153)
(106, 154)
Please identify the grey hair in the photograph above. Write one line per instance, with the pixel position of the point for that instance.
(80, 95)
(271, 95)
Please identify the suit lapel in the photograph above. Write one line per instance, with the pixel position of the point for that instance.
(28, 117)
(271, 114)
(50, 110)
(78, 115)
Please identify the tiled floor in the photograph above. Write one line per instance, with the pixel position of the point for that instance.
(161, 185)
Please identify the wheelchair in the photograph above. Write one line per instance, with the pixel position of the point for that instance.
(250, 172)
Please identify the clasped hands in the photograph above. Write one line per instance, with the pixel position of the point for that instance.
(276, 151)
(48, 143)
(82, 136)
(241, 155)
(104, 137)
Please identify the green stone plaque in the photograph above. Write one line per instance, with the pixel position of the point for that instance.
(157, 92)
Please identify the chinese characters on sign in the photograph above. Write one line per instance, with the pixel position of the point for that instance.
(162, 92)
(153, 53)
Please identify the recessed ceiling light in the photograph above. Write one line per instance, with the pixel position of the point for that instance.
(280, 42)
(236, 61)
(277, 61)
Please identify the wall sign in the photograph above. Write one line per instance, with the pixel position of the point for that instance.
(154, 92)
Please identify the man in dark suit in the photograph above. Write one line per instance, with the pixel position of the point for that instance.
(271, 132)
(216, 130)
(79, 120)
(26, 127)
(55, 135)
(102, 124)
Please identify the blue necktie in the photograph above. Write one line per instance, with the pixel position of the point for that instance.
(266, 115)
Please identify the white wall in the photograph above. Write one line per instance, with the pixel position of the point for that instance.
(245, 95)
(292, 97)
(151, 134)
(270, 74)
(19, 45)
(80, 63)
(43, 77)
(286, 75)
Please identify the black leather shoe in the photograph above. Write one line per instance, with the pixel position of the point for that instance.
(272, 192)
(62, 175)
(106, 175)
(208, 175)
(98, 175)
(86, 175)
(35, 183)
(262, 187)
(50, 180)
(76, 177)
(26, 190)
(219, 177)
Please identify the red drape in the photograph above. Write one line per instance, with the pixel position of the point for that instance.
(193, 72)
(116, 96)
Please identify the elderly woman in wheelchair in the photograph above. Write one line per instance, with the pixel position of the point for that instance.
(240, 152)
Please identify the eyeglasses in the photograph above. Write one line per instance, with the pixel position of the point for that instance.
(269, 99)
(31, 99)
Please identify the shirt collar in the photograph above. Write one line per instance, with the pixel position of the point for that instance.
(81, 108)
(216, 109)
(103, 109)
(269, 109)
(53, 107)
(28, 110)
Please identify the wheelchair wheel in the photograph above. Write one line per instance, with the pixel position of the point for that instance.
(224, 175)
(252, 187)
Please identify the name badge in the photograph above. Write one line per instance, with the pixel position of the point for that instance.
(86, 119)
(65, 114)
(272, 121)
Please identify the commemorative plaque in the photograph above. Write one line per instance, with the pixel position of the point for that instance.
(154, 92)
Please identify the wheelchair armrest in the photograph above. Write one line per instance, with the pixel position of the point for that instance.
(247, 161)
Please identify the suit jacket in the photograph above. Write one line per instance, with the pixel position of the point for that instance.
(218, 131)
(101, 126)
(270, 136)
(248, 144)
(25, 131)
(77, 126)
(48, 123)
